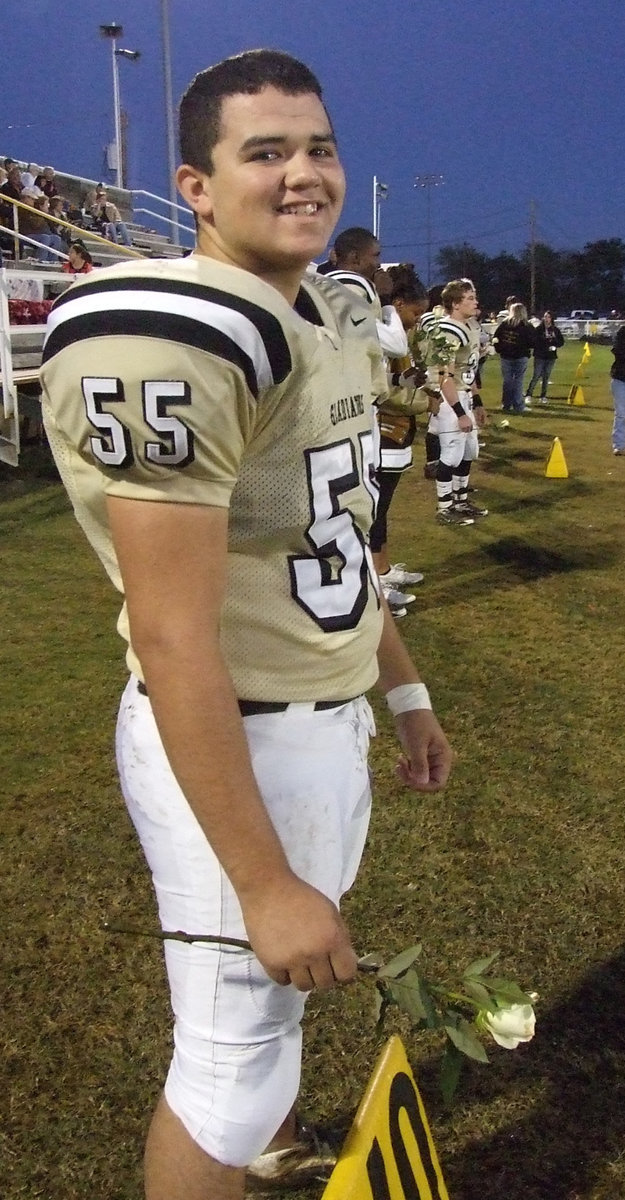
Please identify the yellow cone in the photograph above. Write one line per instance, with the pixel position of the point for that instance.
(556, 464)
(576, 395)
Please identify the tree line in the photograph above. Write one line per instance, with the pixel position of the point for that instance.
(565, 279)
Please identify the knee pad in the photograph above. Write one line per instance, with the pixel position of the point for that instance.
(472, 448)
(233, 1102)
(452, 449)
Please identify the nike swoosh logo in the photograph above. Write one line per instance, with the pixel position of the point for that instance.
(357, 322)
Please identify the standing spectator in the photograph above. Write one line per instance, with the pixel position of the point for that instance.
(617, 386)
(514, 339)
(108, 218)
(548, 340)
(12, 188)
(47, 182)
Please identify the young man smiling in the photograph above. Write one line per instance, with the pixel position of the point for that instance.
(213, 422)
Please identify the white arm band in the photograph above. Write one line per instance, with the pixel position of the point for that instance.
(407, 697)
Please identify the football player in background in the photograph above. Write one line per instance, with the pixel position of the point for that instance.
(398, 426)
(212, 418)
(357, 257)
(452, 355)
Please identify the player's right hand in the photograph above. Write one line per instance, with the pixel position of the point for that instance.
(299, 935)
(465, 424)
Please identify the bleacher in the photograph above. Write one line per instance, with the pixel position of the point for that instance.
(31, 282)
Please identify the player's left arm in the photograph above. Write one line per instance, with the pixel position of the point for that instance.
(427, 758)
(391, 332)
(479, 412)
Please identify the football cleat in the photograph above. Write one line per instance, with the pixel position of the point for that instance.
(310, 1160)
(451, 516)
(470, 510)
(396, 599)
(398, 574)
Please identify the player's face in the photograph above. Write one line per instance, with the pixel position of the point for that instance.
(277, 187)
(410, 312)
(467, 307)
(369, 260)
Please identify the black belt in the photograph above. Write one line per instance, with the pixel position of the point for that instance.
(252, 708)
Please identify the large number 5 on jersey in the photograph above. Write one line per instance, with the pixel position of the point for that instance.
(331, 585)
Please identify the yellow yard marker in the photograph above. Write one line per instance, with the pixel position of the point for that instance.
(576, 395)
(556, 463)
(389, 1153)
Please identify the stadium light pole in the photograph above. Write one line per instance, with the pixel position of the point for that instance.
(169, 120)
(428, 182)
(380, 192)
(113, 31)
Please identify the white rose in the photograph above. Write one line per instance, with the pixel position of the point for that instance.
(512, 1025)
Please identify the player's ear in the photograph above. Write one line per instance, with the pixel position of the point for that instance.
(195, 187)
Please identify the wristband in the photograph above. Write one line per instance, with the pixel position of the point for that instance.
(477, 400)
(407, 697)
(458, 409)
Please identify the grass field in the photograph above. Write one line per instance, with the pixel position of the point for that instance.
(518, 629)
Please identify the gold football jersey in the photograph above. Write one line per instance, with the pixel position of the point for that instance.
(195, 382)
(360, 286)
(450, 347)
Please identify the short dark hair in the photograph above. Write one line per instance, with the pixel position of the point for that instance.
(248, 74)
(352, 241)
(410, 293)
(404, 275)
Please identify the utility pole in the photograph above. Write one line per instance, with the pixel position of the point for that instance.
(428, 182)
(532, 257)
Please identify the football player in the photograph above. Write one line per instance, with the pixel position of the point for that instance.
(212, 418)
(452, 354)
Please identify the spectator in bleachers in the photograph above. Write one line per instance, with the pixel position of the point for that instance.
(11, 188)
(30, 175)
(84, 216)
(33, 224)
(108, 217)
(47, 182)
(57, 209)
(80, 260)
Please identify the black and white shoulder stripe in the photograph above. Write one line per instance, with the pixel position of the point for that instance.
(352, 279)
(202, 317)
(453, 329)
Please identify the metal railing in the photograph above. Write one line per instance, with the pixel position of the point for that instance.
(77, 229)
(10, 379)
(173, 208)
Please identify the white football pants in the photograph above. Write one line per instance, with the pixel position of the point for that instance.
(235, 1070)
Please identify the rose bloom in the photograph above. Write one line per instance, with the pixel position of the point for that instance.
(512, 1025)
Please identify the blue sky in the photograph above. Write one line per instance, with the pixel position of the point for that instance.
(509, 100)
